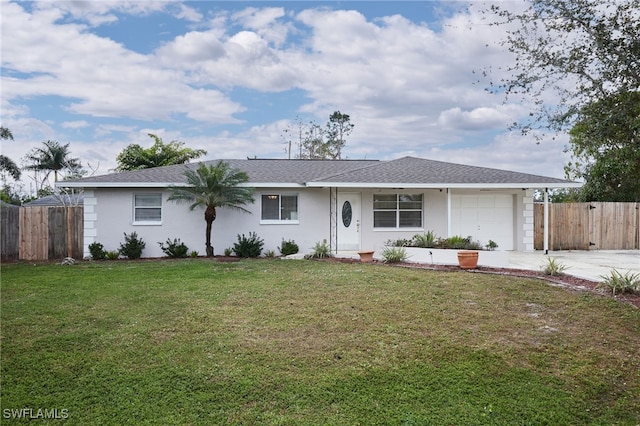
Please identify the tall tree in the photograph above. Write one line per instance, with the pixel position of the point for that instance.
(5, 133)
(318, 143)
(212, 187)
(606, 149)
(6, 163)
(52, 157)
(313, 145)
(584, 54)
(338, 128)
(577, 50)
(134, 157)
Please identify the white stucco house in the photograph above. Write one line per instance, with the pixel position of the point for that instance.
(352, 204)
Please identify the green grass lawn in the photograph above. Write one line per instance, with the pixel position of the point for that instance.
(302, 342)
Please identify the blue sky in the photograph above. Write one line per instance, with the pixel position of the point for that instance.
(230, 77)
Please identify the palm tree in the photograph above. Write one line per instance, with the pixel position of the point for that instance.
(53, 157)
(6, 163)
(9, 166)
(211, 187)
(5, 133)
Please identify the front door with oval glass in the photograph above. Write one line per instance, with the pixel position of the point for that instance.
(348, 221)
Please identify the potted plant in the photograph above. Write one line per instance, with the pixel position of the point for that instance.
(491, 245)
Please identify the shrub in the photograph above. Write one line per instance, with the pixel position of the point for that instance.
(288, 247)
(321, 250)
(97, 251)
(620, 284)
(401, 242)
(270, 254)
(132, 246)
(194, 254)
(472, 245)
(553, 267)
(112, 254)
(394, 254)
(174, 248)
(459, 243)
(248, 246)
(426, 240)
(228, 251)
(491, 245)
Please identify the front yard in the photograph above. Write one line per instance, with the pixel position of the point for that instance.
(196, 341)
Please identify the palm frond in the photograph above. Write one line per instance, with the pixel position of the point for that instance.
(215, 185)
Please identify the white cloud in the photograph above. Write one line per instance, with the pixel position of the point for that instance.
(265, 22)
(79, 124)
(192, 48)
(188, 13)
(102, 12)
(482, 118)
(103, 77)
(408, 86)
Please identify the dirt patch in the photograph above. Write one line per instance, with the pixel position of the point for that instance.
(566, 281)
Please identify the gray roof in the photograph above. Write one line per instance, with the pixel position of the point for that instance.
(7, 205)
(411, 170)
(58, 200)
(402, 172)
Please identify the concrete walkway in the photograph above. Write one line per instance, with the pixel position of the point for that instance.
(591, 265)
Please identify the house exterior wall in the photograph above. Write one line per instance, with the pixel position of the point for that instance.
(525, 221)
(109, 214)
(434, 217)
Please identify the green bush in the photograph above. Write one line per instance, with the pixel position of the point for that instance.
(553, 267)
(175, 248)
(112, 254)
(97, 251)
(321, 250)
(458, 242)
(620, 284)
(426, 240)
(394, 254)
(288, 247)
(194, 254)
(270, 254)
(228, 251)
(132, 246)
(250, 246)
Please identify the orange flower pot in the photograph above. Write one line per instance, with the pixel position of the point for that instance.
(468, 259)
(366, 256)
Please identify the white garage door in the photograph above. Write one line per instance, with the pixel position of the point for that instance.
(484, 217)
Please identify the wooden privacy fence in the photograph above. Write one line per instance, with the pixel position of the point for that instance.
(42, 233)
(589, 226)
(9, 231)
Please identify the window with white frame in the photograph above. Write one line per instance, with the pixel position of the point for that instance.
(147, 208)
(397, 210)
(279, 208)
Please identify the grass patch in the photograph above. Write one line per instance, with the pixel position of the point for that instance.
(302, 342)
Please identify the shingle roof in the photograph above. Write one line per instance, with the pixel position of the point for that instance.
(401, 172)
(411, 170)
(58, 200)
(259, 171)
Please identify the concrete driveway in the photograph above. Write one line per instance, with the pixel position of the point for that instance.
(590, 265)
